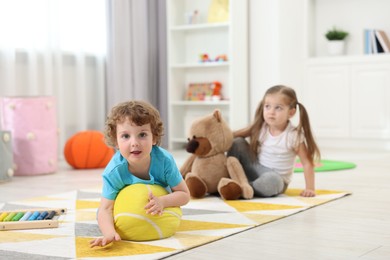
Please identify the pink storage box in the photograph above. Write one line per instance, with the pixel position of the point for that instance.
(6, 156)
(32, 122)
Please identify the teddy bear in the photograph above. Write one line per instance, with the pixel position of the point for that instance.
(208, 170)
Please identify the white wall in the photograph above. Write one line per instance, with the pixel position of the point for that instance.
(276, 44)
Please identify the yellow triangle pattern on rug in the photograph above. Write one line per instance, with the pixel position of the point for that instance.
(121, 248)
(243, 206)
(85, 204)
(313, 201)
(43, 199)
(191, 241)
(82, 215)
(204, 221)
(262, 219)
(17, 236)
(296, 192)
(190, 225)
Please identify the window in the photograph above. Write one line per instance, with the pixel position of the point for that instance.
(67, 25)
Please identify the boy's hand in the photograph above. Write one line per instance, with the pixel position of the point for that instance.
(154, 206)
(105, 240)
(308, 193)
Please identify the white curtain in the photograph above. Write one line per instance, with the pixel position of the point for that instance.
(136, 58)
(56, 48)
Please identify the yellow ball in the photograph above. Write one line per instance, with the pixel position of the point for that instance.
(133, 223)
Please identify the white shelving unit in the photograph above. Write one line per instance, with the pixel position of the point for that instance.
(352, 16)
(347, 96)
(186, 42)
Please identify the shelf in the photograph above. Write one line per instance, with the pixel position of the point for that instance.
(354, 81)
(385, 57)
(200, 65)
(186, 43)
(204, 26)
(201, 103)
(348, 15)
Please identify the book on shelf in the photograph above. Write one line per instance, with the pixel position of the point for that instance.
(383, 40)
(379, 48)
(367, 41)
(374, 46)
(376, 41)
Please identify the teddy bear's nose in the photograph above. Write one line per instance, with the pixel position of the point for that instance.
(192, 146)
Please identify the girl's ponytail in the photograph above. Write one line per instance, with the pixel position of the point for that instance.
(304, 124)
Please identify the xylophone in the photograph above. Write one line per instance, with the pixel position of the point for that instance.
(30, 218)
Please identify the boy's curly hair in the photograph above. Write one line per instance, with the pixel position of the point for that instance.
(138, 112)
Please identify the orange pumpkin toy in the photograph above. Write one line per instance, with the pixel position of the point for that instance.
(87, 150)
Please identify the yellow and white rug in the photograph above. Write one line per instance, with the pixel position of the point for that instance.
(204, 220)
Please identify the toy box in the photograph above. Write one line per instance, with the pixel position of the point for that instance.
(33, 127)
(6, 156)
(204, 91)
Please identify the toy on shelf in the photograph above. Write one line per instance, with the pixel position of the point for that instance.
(204, 91)
(217, 94)
(218, 11)
(221, 58)
(191, 17)
(204, 57)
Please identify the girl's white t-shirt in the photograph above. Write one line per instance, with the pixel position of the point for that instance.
(279, 152)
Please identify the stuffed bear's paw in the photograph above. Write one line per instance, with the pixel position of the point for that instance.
(237, 173)
(229, 189)
(247, 191)
(197, 187)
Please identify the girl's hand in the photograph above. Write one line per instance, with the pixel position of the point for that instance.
(308, 193)
(154, 206)
(105, 240)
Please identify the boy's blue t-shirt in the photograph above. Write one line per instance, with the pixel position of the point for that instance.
(162, 171)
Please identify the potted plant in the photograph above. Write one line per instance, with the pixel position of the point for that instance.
(336, 41)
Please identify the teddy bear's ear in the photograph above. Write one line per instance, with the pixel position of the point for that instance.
(217, 115)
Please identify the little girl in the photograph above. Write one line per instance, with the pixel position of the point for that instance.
(269, 158)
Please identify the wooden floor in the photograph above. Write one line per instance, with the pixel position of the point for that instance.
(354, 227)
